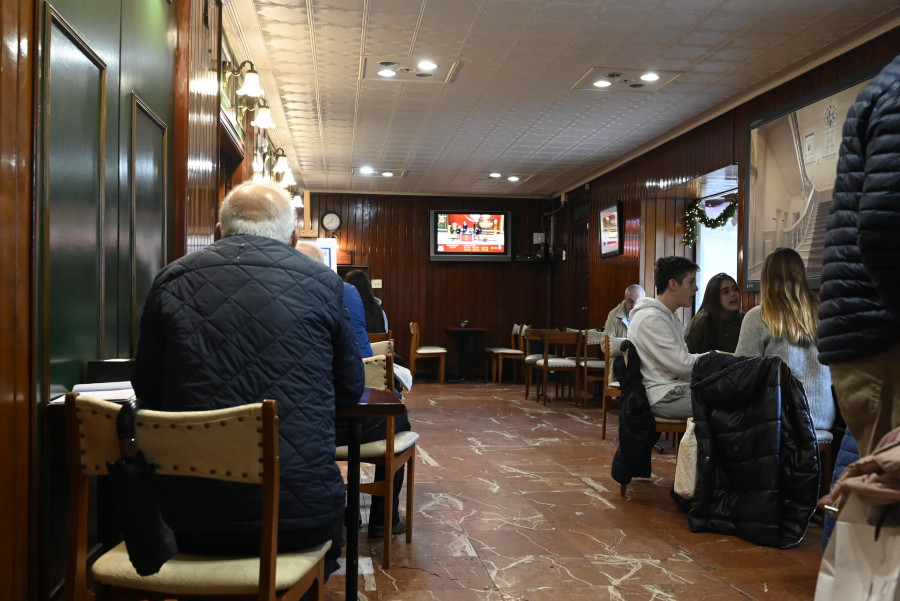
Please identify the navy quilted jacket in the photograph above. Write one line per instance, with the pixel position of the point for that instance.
(245, 319)
(860, 292)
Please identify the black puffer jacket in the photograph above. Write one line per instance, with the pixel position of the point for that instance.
(860, 292)
(245, 319)
(757, 463)
(637, 426)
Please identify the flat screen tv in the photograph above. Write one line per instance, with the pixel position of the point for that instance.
(460, 236)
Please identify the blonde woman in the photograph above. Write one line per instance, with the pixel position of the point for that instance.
(784, 324)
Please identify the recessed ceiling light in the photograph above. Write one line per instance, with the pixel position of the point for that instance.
(513, 178)
(614, 75)
(635, 85)
(387, 73)
(495, 174)
(387, 174)
(650, 76)
(366, 170)
(427, 65)
(602, 83)
(387, 63)
(423, 74)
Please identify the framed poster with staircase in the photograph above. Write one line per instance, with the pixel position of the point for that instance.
(793, 154)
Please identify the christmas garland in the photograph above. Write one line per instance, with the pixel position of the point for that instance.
(697, 214)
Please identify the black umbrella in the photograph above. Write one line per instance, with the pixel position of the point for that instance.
(149, 540)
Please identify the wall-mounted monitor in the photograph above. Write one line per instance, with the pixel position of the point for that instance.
(461, 236)
(611, 230)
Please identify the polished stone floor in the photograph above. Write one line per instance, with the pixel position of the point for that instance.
(515, 502)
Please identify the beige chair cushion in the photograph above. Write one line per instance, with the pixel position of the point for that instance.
(430, 350)
(556, 362)
(508, 351)
(402, 441)
(196, 574)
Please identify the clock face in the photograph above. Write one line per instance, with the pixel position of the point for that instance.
(331, 221)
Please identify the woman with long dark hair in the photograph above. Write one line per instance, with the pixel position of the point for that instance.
(376, 319)
(717, 324)
(784, 324)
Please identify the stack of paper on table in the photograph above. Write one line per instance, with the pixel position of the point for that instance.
(108, 391)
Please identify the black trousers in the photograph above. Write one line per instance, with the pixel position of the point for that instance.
(376, 429)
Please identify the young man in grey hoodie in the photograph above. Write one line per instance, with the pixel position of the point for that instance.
(658, 335)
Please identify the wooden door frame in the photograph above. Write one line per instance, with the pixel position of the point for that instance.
(18, 408)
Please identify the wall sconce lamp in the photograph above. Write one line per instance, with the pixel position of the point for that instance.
(252, 86)
(281, 164)
(287, 180)
(263, 115)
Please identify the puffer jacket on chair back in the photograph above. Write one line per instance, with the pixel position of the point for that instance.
(757, 465)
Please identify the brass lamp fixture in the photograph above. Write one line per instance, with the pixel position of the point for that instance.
(263, 118)
(252, 86)
(281, 163)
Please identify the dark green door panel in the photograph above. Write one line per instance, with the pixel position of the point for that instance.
(74, 184)
(149, 179)
(104, 183)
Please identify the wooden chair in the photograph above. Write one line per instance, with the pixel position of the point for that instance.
(514, 353)
(558, 363)
(238, 444)
(591, 366)
(380, 337)
(611, 388)
(395, 451)
(489, 360)
(529, 337)
(675, 427)
(382, 347)
(417, 352)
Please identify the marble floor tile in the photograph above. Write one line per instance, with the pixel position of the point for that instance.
(514, 502)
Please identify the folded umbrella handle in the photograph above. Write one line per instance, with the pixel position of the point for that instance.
(125, 428)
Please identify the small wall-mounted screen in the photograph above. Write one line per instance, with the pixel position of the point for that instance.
(459, 236)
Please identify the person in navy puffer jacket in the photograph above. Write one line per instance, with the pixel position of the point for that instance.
(859, 311)
(245, 319)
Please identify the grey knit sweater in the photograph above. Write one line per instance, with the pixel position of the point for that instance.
(756, 339)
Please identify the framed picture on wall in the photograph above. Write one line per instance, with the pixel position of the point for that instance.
(611, 242)
(792, 158)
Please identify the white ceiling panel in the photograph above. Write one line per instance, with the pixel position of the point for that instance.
(509, 105)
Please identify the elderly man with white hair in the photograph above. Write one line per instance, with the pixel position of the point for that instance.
(245, 319)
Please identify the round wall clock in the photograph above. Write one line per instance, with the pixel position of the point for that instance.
(331, 221)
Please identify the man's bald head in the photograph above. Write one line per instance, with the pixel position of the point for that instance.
(311, 250)
(258, 209)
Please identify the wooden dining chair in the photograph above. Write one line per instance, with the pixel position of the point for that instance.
(418, 352)
(237, 444)
(612, 390)
(380, 337)
(393, 452)
(529, 337)
(514, 352)
(559, 363)
(591, 365)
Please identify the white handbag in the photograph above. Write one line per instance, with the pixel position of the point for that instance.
(686, 463)
(856, 565)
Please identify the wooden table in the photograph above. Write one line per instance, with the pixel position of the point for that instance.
(465, 351)
(372, 403)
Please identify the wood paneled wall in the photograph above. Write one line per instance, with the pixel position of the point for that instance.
(17, 319)
(389, 234)
(653, 220)
(196, 124)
